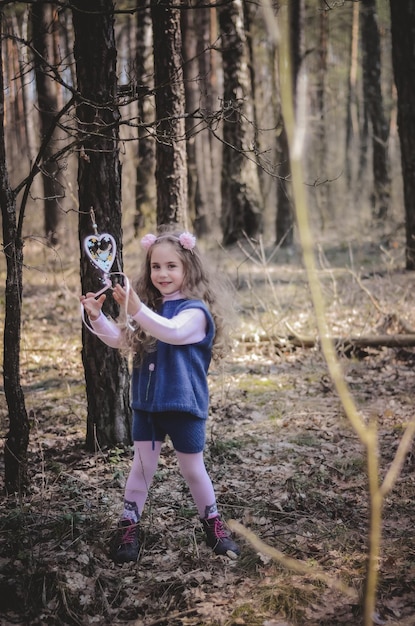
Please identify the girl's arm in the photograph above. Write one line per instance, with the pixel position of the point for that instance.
(187, 327)
(106, 330)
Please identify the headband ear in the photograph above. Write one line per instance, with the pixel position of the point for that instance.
(147, 241)
(186, 240)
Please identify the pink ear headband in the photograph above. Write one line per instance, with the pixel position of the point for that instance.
(186, 240)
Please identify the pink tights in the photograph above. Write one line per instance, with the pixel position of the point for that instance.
(192, 468)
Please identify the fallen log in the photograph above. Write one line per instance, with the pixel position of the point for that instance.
(401, 340)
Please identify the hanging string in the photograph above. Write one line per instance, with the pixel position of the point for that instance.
(93, 220)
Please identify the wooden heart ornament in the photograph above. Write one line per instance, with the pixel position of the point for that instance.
(101, 249)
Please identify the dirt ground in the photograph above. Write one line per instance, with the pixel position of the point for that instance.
(284, 459)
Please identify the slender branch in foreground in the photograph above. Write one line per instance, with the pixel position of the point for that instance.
(297, 566)
(399, 459)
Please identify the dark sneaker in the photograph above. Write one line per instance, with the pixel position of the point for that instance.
(125, 545)
(218, 538)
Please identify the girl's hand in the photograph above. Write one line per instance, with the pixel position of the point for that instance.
(92, 305)
(133, 305)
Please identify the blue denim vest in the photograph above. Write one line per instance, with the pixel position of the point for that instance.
(174, 378)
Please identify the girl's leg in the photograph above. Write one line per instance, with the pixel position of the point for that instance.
(192, 467)
(193, 470)
(125, 545)
(140, 477)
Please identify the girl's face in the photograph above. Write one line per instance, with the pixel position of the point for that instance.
(167, 270)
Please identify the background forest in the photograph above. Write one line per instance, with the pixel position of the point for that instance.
(281, 134)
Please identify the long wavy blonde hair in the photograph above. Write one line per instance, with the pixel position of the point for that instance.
(198, 284)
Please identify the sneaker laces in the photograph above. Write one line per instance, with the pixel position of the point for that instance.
(219, 529)
(128, 535)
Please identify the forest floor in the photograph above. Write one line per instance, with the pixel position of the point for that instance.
(284, 460)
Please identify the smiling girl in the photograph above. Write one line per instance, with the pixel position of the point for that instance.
(179, 326)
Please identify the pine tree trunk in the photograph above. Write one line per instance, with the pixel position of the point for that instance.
(285, 216)
(191, 89)
(322, 192)
(352, 121)
(44, 24)
(374, 101)
(171, 161)
(241, 197)
(208, 150)
(17, 437)
(403, 56)
(99, 180)
(145, 193)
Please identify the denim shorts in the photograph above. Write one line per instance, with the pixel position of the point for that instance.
(187, 432)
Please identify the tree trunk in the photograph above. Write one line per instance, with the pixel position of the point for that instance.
(380, 196)
(171, 164)
(207, 148)
(251, 11)
(99, 180)
(403, 57)
(13, 123)
(20, 27)
(196, 74)
(322, 192)
(145, 192)
(284, 222)
(352, 121)
(44, 24)
(191, 90)
(209, 153)
(17, 438)
(241, 196)
(285, 215)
